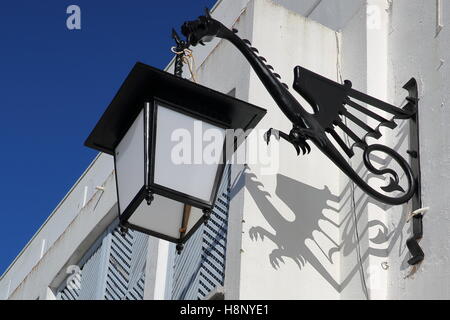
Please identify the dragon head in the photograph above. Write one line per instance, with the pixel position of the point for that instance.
(202, 30)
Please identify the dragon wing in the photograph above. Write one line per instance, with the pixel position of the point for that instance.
(331, 101)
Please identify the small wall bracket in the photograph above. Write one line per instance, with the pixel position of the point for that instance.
(417, 254)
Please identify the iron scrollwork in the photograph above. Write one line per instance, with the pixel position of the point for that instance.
(333, 104)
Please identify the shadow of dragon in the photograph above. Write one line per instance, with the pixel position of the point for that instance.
(293, 238)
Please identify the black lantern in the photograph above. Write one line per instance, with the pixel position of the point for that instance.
(157, 195)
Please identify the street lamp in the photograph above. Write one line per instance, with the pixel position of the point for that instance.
(161, 191)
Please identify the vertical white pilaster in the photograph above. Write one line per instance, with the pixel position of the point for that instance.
(377, 80)
(157, 270)
(161, 270)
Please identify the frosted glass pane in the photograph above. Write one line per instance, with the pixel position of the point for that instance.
(193, 173)
(130, 162)
(163, 216)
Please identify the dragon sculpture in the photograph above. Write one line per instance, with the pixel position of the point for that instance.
(331, 102)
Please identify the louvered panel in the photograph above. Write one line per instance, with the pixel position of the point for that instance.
(132, 296)
(138, 258)
(108, 295)
(188, 263)
(132, 264)
(127, 241)
(183, 261)
(210, 279)
(123, 243)
(141, 282)
(121, 265)
(186, 268)
(213, 245)
(213, 255)
(89, 279)
(208, 283)
(116, 292)
(65, 297)
(115, 271)
(219, 240)
(121, 253)
(121, 249)
(201, 266)
(220, 217)
(85, 290)
(221, 207)
(213, 270)
(214, 228)
(121, 262)
(117, 279)
(137, 291)
(69, 295)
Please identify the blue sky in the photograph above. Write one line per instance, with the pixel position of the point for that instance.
(54, 85)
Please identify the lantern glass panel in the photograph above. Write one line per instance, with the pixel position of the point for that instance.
(164, 216)
(188, 153)
(130, 163)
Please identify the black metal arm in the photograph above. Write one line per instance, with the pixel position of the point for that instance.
(327, 99)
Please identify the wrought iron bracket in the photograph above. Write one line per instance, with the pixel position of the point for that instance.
(333, 104)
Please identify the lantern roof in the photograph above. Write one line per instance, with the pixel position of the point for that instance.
(145, 84)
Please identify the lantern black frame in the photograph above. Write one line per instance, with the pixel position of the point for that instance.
(144, 90)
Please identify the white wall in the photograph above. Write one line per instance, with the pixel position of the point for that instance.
(353, 65)
(394, 41)
(364, 57)
(294, 208)
(417, 50)
(331, 13)
(225, 69)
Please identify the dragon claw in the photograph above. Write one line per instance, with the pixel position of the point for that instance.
(305, 148)
(308, 148)
(299, 143)
(312, 134)
(297, 148)
(302, 146)
(254, 232)
(275, 260)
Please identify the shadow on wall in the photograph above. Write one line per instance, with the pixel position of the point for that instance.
(294, 239)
